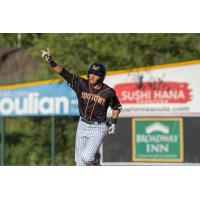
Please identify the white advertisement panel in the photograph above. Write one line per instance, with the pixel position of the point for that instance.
(165, 90)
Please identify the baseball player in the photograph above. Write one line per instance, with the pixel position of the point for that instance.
(94, 98)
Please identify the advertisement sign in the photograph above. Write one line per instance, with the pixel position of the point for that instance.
(38, 99)
(165, 90)
(157, 139)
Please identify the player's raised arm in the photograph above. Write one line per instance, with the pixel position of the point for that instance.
(72, 79)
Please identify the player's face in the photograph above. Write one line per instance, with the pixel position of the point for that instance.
(93, 79)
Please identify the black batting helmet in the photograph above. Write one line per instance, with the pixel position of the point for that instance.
(99, 70)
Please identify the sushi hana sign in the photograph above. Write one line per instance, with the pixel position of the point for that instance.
(157, 139)
(165, 90)
(176, 93)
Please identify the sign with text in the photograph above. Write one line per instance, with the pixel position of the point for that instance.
(39, 99)
(166, 90)
(157, 139)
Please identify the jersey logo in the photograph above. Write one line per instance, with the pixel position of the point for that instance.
(93, 97)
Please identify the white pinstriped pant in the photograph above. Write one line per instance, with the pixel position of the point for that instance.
(89, 138)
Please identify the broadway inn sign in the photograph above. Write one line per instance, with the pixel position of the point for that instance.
(157, 139)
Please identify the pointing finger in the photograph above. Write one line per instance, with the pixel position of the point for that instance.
(48, 51)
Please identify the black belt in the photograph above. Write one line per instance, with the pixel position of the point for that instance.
(89, 122)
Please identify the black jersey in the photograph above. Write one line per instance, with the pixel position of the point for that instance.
(93, 103)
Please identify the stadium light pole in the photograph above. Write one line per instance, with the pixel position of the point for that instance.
(2, 139)
(52, 140)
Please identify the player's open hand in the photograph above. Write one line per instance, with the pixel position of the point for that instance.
(46, 54)
(111, 129)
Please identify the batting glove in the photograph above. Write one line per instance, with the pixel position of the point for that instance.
(111, 123)
(111, 129)
(48, 57)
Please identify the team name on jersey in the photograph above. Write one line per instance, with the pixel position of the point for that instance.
(93, 97)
